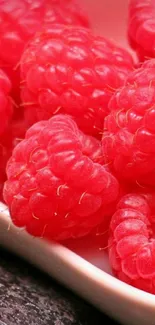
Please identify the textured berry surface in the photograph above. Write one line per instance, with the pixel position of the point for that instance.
(56, 186)
(68, 70)
(6, 105)
(19, 20)
(129, 130)
(141, 28)
(97, 239)
(132, 241)
(4, 156)
(96, 242)
(13, 134)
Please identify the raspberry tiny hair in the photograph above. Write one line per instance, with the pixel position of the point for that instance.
(69, 70)
(56, 189)
(129, 131)
(132, 242)
(141, 27)
(95, 242)
(20, 20)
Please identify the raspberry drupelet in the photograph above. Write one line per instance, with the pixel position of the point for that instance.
(141, 27)
(6, 103)
(13, 134)
(69, 70)
(57, 188)
(132, 241)
(20, 20)
(6, 111)
(129, 132)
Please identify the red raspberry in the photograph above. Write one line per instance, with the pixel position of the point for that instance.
(129, 136)
(8, 140)
(97, 239)
(68, 70)
(19, 20)
(132, 242)
(6, 107)
(91, 246)
(141, 28)
(56, 186)
(17, 132)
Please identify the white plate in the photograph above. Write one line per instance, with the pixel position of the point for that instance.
(89, 276)
(95, 284)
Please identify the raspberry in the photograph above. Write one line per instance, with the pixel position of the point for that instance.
(56, 186)
(141, 27)
(4, 156)
(15, 132)
(19, 22)
(97, 239)
(91, 246)
(68, 70)
(129, 135)
(6, 107)
(8, 140)
(132, 242)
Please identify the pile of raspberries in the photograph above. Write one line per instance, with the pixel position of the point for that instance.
(77, 131)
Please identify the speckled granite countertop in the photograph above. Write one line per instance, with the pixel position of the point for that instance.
(29, 297)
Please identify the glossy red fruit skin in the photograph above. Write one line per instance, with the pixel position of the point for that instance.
(20, 20)
(129, 131)
(141, 27)
(56, 187)
(69, 70)
(132, 242)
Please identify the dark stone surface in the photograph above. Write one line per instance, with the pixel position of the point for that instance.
(29, 297)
